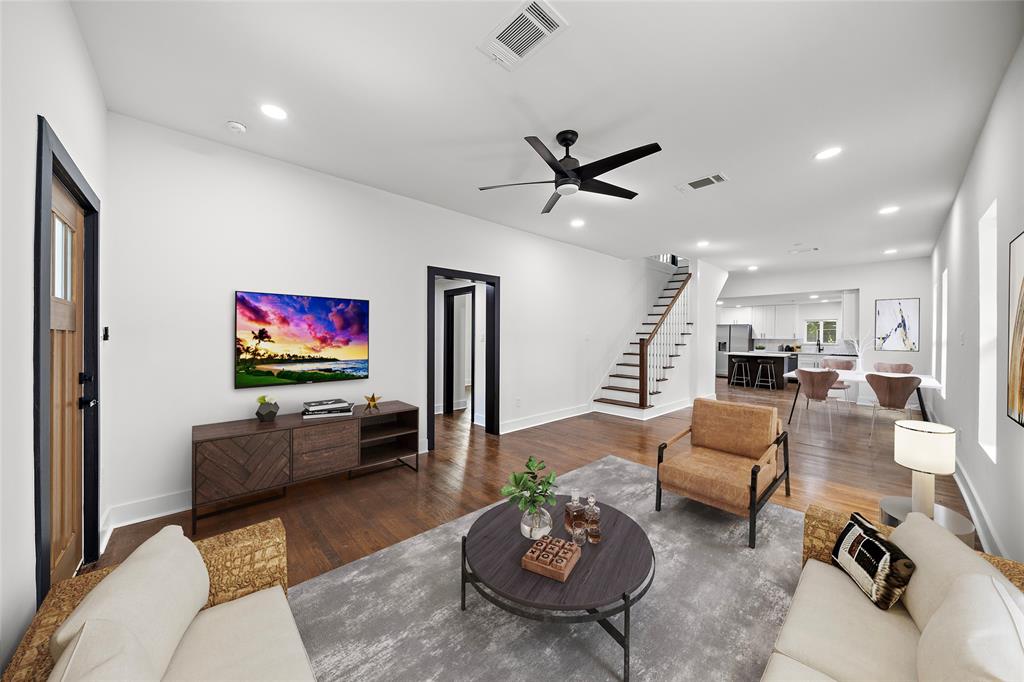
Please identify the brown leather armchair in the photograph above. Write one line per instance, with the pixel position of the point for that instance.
(732, 459)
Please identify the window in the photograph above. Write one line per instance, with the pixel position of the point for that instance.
(988, 332)
(62, 259)
(826, 331)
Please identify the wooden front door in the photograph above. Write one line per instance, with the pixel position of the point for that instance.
(66, 358)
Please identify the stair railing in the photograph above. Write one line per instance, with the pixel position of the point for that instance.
(662, 343)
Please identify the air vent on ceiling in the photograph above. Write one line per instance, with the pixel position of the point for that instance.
(512, 41)
(701, 183)
(808, 249)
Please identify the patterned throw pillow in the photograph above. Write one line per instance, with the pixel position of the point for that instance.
(880, 569)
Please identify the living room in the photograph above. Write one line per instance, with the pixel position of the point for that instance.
(222, 154)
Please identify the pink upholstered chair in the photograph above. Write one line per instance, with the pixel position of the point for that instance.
(815, 386)
(894, 367)
(893, 393)
(840, 363)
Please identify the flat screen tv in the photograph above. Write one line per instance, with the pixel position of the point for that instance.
(285, 339)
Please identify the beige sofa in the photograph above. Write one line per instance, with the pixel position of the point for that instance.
(173, 610)
(959, 618)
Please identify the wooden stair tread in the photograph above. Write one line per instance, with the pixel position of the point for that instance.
(624, 376)
(624, 389)
(627, 364)
(620, 403)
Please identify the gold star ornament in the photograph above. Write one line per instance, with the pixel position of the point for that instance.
(371, 401)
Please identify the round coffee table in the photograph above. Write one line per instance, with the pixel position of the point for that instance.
(609, 578)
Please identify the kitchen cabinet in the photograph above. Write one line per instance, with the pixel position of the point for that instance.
(762, 318)
(740, 315)
(786, 326)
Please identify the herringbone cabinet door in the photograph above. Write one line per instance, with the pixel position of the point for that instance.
(235, 466)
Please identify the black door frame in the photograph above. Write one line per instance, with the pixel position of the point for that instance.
(492, 353)
(53, 160)
(448, 390)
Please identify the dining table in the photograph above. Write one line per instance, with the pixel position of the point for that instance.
(853, 376)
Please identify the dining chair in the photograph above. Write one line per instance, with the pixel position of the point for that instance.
(893, 393)
(894, 367)
(839, 363)
(815, 386)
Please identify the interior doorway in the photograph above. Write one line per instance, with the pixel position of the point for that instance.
(65, 365)
(459, 352)
(455, 296)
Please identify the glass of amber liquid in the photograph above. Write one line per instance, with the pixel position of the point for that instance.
(573, 511)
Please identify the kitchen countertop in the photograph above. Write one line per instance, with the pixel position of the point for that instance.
(768, 353)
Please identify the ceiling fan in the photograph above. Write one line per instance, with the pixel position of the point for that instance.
(571, 177)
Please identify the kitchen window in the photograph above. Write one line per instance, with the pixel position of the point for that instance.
(827, 331)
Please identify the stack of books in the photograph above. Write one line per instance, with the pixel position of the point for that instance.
(319, 409)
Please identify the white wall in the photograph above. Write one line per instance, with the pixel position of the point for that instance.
(910, 278)
(710, 282)
(194, 220)
(993, 489)
(45, 70)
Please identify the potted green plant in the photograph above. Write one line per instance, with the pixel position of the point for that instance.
(530, 490)
(266, 409)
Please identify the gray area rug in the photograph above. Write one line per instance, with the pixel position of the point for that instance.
(713, 612)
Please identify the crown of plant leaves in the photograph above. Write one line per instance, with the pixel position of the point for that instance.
(530, 490)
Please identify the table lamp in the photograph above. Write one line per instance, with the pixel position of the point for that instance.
(927, 449)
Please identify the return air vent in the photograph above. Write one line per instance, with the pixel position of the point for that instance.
(701, 183)
(532, 26)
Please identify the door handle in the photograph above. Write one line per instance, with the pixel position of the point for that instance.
(83, 403)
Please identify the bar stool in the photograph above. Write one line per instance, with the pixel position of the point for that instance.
(740, 372)
(765, 374)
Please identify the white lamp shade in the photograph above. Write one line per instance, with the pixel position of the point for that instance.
(925, 446)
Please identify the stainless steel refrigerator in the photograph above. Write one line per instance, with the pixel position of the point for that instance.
(731, 337)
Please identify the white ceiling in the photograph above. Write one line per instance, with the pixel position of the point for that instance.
(396, 96)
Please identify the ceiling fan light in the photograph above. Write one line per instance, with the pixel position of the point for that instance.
(567, 189)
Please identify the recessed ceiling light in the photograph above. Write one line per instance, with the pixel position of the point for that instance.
(738, 305)
(828, 153)
(814, 296)
(824, 300)
(889, 252)
(888, 210)
(751, 267)
(719, 302)
(577, 222)
(701, 244)
(236, 127)
(273, 111)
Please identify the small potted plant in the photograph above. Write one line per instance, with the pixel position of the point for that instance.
(266, 409)
(530, 490)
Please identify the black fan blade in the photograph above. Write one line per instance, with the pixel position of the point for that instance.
(516, 184)
(548, 157)
(595, 168)
(551, 202)
(601, 187)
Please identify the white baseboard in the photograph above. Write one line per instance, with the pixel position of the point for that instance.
(986, 532)
(543, 418)
(456, 405)
(142, 510)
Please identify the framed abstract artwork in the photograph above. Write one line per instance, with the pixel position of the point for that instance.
(1015, 326)
(898, 324)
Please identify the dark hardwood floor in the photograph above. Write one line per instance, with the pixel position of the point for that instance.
(333, 521)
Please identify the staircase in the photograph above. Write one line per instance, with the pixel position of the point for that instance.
(658, 347)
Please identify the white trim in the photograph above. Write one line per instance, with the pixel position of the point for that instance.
(456, 405)
(142, 510)
(543, 418)
(986, 531)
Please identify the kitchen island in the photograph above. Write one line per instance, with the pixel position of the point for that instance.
(783, 361)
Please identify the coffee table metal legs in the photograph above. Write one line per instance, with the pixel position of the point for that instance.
(621, 638)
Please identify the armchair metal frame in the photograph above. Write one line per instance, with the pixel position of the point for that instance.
(756, 503)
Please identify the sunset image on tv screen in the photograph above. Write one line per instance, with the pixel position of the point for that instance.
(285, 339)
